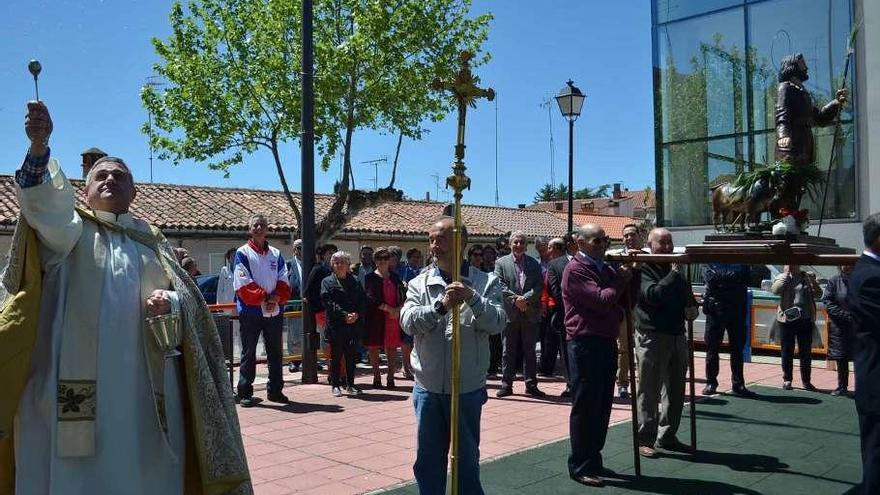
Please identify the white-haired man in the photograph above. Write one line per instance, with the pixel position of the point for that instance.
(95, 399)
(523, 283)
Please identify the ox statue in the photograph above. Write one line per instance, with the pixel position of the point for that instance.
(741, 203)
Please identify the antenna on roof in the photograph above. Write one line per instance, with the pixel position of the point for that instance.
(375, 163)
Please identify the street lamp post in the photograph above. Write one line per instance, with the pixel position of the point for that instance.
(570, 100)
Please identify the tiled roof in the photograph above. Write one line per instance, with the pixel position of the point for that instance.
(197, 208)
(612, 224)
(639, 198)
(599, 204)
(188, 208)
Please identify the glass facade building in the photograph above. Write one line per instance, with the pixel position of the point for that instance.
(715, 84)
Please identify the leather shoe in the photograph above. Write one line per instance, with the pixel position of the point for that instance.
(589, 480)
(674, 445)
(838, 391)
(648, 452)
(786, 385)
(534, 391)
(742, 391)
(709, 389)
(503, 392)
(248, 402)
(566, 392)
(810, 387)
(279, 398)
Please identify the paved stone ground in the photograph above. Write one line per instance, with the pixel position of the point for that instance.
(338, 446)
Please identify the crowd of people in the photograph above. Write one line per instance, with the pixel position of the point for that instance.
(88, 292)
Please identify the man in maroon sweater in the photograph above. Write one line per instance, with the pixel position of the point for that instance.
(592, 293)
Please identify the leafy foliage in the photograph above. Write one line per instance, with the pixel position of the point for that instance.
(549, 192)
(233, 74)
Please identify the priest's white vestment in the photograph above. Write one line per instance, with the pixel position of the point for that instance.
(130, 454)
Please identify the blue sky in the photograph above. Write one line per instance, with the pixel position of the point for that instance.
(97, 54)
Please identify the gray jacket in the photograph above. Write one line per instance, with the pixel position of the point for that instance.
(505, 269)
(432, 350)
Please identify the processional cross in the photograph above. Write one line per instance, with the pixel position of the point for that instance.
(465, 93)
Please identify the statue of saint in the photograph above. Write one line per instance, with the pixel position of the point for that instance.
(795, 118)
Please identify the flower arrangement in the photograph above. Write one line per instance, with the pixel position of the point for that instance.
(793, 222)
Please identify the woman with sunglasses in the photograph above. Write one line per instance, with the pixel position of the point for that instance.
(385, 296)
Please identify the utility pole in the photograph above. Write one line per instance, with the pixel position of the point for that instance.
(307, 229)
(154, 83)
(546, 104)
(375, 163)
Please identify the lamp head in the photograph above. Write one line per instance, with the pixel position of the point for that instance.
(35, 67)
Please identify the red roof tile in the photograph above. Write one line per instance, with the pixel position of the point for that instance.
(197, 208)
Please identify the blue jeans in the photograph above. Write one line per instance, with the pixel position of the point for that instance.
(432, 433)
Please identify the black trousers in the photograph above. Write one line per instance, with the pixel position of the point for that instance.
(550, 347)
(344, 343)
(802, 331)
(592, 367)
(842, 373)
(869, 431)
(495, 351)
(734, 322)
(251, 327)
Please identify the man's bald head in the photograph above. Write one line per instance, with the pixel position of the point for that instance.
(660, 241)
(441, 239)
(591, 239)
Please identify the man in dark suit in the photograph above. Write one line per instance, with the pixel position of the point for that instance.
(864, 303)
(557, 317)
(522, 284)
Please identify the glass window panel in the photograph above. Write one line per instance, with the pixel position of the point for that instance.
(685, 184)
(689, 169)
(818, 29)
(702, 77)
(841, 199)
(670, 10)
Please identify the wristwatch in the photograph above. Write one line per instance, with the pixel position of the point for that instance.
(440, 308)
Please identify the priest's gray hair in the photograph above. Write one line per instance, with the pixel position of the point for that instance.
(119, 161)
(343, 255)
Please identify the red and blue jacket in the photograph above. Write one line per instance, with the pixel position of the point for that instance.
(260, 272)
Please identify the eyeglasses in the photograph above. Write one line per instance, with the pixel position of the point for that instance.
(600, 240)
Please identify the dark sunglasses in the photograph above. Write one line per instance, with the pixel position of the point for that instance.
(476, 254)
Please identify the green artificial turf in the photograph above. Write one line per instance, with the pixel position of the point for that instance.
(782, 442)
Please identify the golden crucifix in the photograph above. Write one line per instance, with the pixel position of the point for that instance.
(464, 93)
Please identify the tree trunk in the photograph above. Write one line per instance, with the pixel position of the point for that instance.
(336, 218)
(396, 158)
(293, 206)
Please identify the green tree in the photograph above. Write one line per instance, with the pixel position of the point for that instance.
(546, 193)
(232, 68)
(590, 193)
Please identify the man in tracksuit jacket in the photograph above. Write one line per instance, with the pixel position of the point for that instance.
(260, 282)
(427, 316)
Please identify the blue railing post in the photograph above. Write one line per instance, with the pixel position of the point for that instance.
(747, 349)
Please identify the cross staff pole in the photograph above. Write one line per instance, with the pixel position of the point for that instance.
(465, 92)
(631, 362)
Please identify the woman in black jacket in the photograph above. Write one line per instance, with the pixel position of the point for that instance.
(346, 306)
(840, 329)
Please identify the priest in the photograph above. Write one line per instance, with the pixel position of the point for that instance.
(97, 399)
